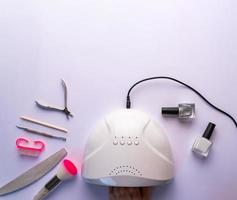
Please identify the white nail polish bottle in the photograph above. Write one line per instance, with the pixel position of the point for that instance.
(203, 144)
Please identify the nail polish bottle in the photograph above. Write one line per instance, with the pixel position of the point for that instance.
(203, 144)
(183, 111)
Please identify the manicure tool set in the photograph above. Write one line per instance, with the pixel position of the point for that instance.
(114, 151)
(34, 148)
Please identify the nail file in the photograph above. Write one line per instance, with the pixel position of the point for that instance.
(33, 174)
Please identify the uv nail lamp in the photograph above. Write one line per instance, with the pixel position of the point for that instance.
(128, 149)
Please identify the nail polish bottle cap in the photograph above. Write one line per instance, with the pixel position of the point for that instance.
(209, 130)
(170, 111)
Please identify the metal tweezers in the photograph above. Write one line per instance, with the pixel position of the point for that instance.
(64, 110)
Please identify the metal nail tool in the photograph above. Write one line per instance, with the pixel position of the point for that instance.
(64, 110)
(41, 133)
(34, 173)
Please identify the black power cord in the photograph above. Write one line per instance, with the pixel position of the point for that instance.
(128, 102)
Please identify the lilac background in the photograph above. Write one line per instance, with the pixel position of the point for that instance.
(100, 48)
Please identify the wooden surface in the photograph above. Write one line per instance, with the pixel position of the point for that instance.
(124, 193)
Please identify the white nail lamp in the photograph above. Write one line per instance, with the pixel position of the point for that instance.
(128, 149)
